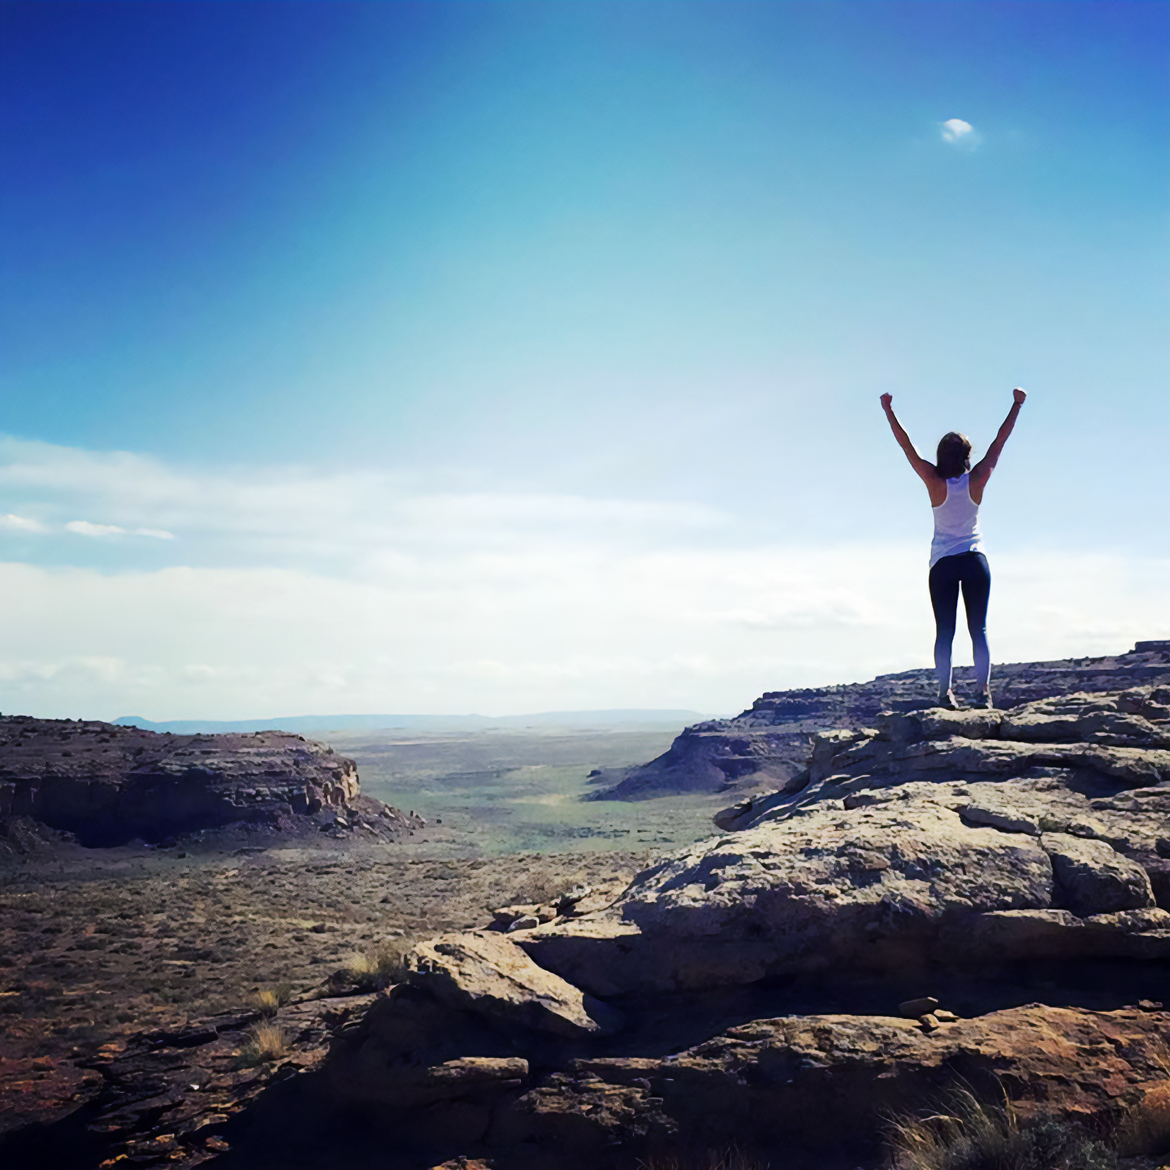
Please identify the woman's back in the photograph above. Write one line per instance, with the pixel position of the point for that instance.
(956, 522)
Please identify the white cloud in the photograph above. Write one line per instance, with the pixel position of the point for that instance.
(350, 521)
(296, 592)
(528, 630)
(85, 528)
(957, 131)
(20, 523)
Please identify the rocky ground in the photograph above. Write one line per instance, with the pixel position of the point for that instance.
(928, 902)
(131, 976)
(946, 898)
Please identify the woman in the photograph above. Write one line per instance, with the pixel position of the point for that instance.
(956, 554)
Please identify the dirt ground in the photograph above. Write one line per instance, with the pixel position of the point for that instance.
(99, 944)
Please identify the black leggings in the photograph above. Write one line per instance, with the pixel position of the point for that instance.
(970, 571)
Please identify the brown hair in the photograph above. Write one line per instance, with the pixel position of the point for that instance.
(954, 455)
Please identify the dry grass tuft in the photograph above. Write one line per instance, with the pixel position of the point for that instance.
(269, 1000)
(975, 1135)
(379, 968)
(542, 885)
(1146, 1128)
(732, 1159)
(266, 1042)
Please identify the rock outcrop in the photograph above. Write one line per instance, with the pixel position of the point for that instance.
(768, 744)
(825, 1081)
(753, 989)
(935, 899)
(107, 784)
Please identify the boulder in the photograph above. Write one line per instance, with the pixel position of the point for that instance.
(923, 851)
(489, 975)
(1093, 879)
(1002, 815)
(871, 887)
(829, 1083)
(411, 1050)
(895, 837)
(1013, 935)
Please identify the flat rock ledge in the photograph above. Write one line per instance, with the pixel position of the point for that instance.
(768, 744)
(933, 846)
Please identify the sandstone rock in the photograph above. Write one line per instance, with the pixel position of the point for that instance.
(1005, 817)
(871, 888)
(879, 879)
(404, 1086)
(1093, 879)
(109, 784)
(1148, 918)
(706, 758)
(927, 845)
(942, 724)
(410, 1049)
(913, 1008)
(1008, 936)
(581, 948)
(506, 917)
(768, 743)
(491, 976)
(827, 1083)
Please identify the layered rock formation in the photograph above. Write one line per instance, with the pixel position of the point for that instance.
(769, 742)
(751, 990)
(109, 784)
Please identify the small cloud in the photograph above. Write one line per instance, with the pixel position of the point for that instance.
(85, 528)
(956, 131)
(21, 523)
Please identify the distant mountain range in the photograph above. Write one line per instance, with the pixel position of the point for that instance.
(625, 720)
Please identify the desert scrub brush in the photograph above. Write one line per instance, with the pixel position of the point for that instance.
(974, 1135)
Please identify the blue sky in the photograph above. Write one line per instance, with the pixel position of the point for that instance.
(534, 348)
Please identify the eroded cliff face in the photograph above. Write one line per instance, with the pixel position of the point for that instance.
(769, 743)
(109, 784)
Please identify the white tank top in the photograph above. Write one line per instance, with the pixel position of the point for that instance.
(956, 522)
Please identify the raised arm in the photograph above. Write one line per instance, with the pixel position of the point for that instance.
(925, 470)
(982, 470)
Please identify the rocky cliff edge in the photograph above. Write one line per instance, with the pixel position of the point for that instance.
(769, 743)
(941, 898)
(108, 784)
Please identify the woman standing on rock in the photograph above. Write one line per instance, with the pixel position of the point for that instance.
(956, 553)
